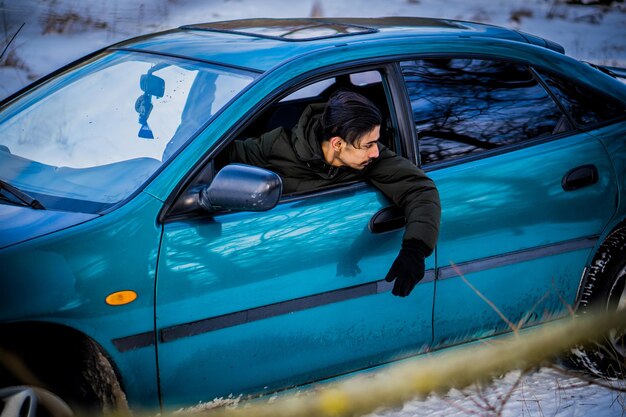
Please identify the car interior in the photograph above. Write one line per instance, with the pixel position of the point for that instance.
(287, 111)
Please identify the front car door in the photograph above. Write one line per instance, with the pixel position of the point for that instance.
(254, 302)
(517, 225)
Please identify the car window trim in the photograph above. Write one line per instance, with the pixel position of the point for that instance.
(578, 126)
(251, 72)
(555, 99)
(407, 134)
(341, 188)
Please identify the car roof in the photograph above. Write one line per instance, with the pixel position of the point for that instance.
(261, 44)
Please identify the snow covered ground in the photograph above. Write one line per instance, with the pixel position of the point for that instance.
(545, 393)
(56, 32)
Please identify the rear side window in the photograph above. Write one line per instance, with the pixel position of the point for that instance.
(585, 107)
(467, 106)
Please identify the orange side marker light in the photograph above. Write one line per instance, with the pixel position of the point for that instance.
(120, 298)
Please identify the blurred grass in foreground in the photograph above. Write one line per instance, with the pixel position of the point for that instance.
(434, 373)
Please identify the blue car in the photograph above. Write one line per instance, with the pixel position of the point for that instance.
(118, 286)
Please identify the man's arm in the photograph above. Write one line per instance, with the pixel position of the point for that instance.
(254, 151)
(409, 188)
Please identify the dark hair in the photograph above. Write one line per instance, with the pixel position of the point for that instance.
(349, 115)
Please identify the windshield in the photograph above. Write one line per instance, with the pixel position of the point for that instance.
(93, 135)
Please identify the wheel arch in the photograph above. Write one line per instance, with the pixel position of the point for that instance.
(63, 360)
(615, 226)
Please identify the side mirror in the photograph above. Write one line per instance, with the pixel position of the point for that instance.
(241, 187)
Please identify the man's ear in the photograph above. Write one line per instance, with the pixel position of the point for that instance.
(337, 143)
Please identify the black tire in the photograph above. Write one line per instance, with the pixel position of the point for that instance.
(605, 290)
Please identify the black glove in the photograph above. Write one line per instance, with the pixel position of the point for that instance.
(408, 268)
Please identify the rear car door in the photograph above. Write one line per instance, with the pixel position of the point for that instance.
(524, 194)
(254, 302)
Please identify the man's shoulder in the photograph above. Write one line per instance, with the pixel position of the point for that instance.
(390, 168)
(389, 159)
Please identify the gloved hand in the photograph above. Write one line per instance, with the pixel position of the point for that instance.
(408, 268)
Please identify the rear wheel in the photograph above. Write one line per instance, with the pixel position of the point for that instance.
(605, 290)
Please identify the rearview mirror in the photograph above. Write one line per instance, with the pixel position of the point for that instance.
(241, 187)
(152, 85)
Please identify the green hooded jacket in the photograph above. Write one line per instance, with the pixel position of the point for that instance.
(298, 159)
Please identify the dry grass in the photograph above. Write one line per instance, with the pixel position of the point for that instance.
(519, 14)
(70, 22)
(11, 59)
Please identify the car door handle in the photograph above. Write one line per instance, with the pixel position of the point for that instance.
(580, 177)
(388, 219)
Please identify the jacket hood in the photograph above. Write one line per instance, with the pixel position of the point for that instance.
(18, 224)
(305, 135)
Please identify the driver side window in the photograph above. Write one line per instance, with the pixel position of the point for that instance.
(270, 138)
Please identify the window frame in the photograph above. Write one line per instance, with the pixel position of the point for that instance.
(203, 172)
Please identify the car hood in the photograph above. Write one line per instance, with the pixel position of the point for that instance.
(18, 224)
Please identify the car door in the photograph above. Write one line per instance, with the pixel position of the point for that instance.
(252, 302)
(524, 194)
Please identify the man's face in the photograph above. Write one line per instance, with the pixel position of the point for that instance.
(364, 150)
